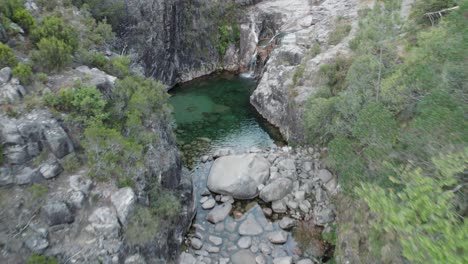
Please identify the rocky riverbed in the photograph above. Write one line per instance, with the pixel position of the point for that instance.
(256, 205)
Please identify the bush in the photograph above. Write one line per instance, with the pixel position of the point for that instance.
(421, 213)
(113, 11)
(163, 202)
(40, 259)
(55, 27)
(334, 74)
(110, 155)
(342, 29)
(142, 226)
(53, 54)
(7, 57)
(23, 18)
(23, 73)
(8, 7)
(84, 104)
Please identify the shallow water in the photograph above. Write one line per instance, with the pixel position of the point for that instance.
(215, 112)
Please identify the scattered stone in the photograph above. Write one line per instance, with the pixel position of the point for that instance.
(135, 259)
(331, 185)
(324, 216)
(219, 227)
(250, 227)
(104, 222)
(56, 213)
(226, 199)
(209, 204)
(205, 159)
(187, 258)
(223, 152)
(239, 175)
(243, 257)
(244, 242)
(299, 195)
(80, 183)
(51, 170)
(58, 140)
(212, 249)
(204, 199)
(217, 241)
(279, 252)
(267, 211)
(5, 176)
(287, 223)
(283, 260)
(27, 176)
(292, 205)
(325, 175)
(77, 199)
(278, 237)
(260, 259)
(5, 75)
(276, 190)
(279, 206)
(304, 207)
(265, 249)
(219, 213)
(206, 192)
(305, 261)
(123, 201)
(196, 243)
(37, 243)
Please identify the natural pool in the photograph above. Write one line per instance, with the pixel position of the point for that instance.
(215, 112)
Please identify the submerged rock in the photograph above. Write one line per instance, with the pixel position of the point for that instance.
(239, 175)
(250, 227)
(219, 213)
(243, 257)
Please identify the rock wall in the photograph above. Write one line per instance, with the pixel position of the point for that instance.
(175, 40)
(67, 214)
(298, 25)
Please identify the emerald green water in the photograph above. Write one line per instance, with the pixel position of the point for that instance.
(215, 113)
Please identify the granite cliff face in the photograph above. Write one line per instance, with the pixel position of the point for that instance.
(175, 40)
(299, 26)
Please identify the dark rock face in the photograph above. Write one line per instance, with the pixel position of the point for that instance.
(175, 40)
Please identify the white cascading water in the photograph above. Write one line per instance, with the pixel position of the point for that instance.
(252, 65)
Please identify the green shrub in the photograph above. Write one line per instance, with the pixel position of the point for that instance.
(55, 27)
(341, 30)
(142, 227)
(71, 163)
(23, 73)
(40, 259)
(42, 77)
(163, 202)
(113, 11)
(421, 7)
(421, 211)
(110, 155)
(53, 54)
(23, 18)
(84, 104)
(226, 36)
(119, 66)
(298, 73)
(7, 57)
(334, 74)
(8, 7)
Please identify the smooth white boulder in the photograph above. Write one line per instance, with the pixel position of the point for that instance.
(239, 175)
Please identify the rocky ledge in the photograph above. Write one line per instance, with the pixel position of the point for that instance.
(284, 191)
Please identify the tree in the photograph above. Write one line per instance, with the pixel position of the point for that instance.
(52, 54)
(56, 27)
(421, 212)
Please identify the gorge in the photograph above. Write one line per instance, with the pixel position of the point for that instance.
(236, 131)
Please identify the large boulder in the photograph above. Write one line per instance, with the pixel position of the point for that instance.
(57, 139)
(239, 175)
(276, 190)
(104, 222)
(57, 213)
(123, 201)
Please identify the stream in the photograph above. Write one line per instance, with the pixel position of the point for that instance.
(214, 113)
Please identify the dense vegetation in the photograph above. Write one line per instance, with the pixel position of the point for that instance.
(394, 118)
(112, 125)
